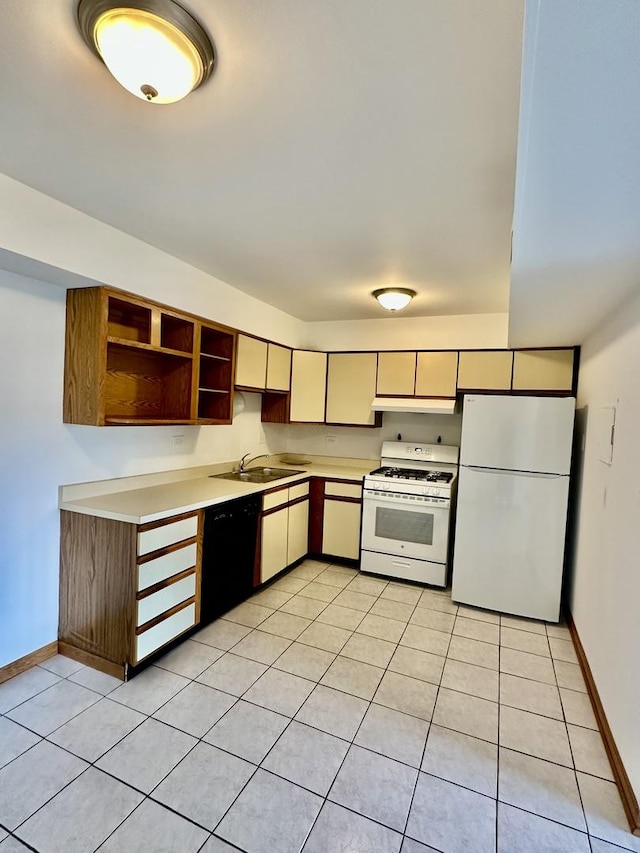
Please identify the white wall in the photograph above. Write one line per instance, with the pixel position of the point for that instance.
(397, 332)
(39, 453)
(576, 252)
(40, 228)
(365, 443)
(605, 597)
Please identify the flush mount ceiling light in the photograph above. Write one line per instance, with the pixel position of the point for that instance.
(394, 298)
(154, 48)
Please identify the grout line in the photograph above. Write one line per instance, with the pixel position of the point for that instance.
(316, 683)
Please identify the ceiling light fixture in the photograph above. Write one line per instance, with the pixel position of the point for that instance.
(154, 48)
(394, 298)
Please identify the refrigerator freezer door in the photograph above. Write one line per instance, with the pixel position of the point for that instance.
(509, 545)
(518, 433)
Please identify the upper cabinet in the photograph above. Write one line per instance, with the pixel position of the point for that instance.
(278, 368)
(396, 374)
(130, 361)
(351, 387)
(436, 374)
(251, 365)
(215, 375)
(485, 370)
(308, 386)
(543, 370)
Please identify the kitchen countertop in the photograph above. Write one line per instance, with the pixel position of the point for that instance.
(152, 503)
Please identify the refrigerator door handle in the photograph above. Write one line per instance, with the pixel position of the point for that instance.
(513, 473)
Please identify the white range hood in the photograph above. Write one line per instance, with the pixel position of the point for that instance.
(424, 406)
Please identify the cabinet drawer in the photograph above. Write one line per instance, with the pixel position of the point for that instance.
(165, 631)
(159, 602)
(275, 499)
(169, 564)
(168, 534)
(299, 491)
(343, 490)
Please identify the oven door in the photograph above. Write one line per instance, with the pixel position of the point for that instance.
(408, 526)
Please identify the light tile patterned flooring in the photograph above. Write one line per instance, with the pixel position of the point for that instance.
(331, 712)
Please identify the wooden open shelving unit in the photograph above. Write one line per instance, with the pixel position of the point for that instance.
(129, 361)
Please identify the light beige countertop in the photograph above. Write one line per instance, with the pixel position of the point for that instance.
(190, 489)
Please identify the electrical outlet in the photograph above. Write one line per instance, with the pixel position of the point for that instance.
(262, 439)
(330, 439)
(177, 440)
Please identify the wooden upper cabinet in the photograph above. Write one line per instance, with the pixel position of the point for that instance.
(396, 374)
(278, 368)
(436, 374)
(251, 363)
(351, 387)
(129, 361)
(308, 386)
(485, 370)
(543, 370)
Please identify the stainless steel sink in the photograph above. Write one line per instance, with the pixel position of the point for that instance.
(257, 475)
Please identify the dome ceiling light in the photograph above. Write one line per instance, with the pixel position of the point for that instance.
(394, 298)
(154, 48)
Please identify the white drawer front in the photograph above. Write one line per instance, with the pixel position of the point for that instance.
(156, 603)
(298, 491)
(165, 631)
(168, 534)
(275, 499)
(343, 490)
(169, 564)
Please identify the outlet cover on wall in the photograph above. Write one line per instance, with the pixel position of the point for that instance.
(330, 439)
(177, 440)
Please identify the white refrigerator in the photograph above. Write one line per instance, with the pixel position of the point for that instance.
(513, 486)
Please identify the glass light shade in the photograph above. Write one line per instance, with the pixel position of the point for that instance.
(147, 55)
(394, 298)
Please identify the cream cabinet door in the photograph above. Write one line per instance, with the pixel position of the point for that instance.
(278, 368)
(396, 374)
(251, 362)
(351, 387)
(298, 538)
(436, 374)
(543, 370)
(308, 386)
(274, 543)
(341, 529)
(485, 370)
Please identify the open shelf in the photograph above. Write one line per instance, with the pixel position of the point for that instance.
(123, 342)
(215, 378)
(176, 333)
(146, 385)
(129, 321)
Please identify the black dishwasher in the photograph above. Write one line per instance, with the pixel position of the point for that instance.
(228, 555)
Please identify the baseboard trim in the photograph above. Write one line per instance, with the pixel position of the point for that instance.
(10, 670)
(629, 800)
(94, 661)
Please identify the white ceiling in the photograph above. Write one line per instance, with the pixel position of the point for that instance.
(341, 145)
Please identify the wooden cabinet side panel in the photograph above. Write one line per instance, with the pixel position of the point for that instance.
(436, 374)
(351, 387)
(85, 356)
(97, 585)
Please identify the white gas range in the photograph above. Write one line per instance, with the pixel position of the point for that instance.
(406, 512)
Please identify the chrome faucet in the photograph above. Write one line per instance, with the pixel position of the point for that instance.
(244, 461)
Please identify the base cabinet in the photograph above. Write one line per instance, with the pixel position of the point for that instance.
(127, 590)
(341, 529)
(285, 529)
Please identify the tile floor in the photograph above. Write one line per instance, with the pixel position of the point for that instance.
(331, 712)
